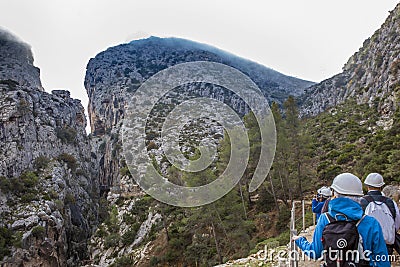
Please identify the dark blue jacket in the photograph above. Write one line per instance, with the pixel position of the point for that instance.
(316, 207)
(369, 229)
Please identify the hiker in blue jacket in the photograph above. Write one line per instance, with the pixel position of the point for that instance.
(347, 191)
(318, 202)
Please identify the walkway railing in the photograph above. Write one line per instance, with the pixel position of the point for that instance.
(294, 262)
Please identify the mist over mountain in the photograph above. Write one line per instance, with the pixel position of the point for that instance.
(123, 68)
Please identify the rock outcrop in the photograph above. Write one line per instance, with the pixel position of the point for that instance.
(48, 185)
(16, 62)
(372, 75)
(115, 74)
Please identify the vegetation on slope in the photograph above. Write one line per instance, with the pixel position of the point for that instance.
(310, 153)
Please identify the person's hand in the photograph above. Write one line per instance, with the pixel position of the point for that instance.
(295, 237)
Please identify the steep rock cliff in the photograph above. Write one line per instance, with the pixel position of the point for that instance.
(372, 75)
(115, 74)
(16, 62)
(48, 186)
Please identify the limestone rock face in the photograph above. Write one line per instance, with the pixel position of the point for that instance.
(372, 75)
(113, 76)
(35, 123)
(16, 62)
(48, 181)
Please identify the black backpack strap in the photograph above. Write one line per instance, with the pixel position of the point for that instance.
(369, 198)
(332, 219)
(391, 207)
(388, 202)
(365, 200)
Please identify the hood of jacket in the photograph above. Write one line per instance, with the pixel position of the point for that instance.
(342, 205)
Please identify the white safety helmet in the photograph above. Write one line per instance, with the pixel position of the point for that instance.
(325, 191)
(347, 184)
(375, 180)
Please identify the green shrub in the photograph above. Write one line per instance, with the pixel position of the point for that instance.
(28, 197)
(130, 235)
(120, 201)
(81, 172)
(112, 221)
(66, 134)
(69, 159)
(349, 148)
(29, 179)
(283, 220)
(344, 158)
(25, 184)
(333, 154)
(124, 171)
(17, 239)
(101, 232)
(5, 242)
(24, 107)
(59, 204)
(41, 162)
(38, 231)
(284, 238)
(128, 218)
(154, 261)
(46, 197)
(395, 67)
(69, 199)
(52, 194)
(330, 172)
(5, 184)
(111, 240)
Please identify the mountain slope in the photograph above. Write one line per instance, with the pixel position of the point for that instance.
(113, 75)
(111, 79)
(372, 75)
(121, 69)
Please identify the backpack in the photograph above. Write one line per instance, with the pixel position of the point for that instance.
(382, 209)
(342, 243)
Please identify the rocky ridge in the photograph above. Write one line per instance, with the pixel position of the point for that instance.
(16, 62)
(371, 75)
(48, 185)
(115, 74)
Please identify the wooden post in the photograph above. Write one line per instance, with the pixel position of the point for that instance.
(313, 219)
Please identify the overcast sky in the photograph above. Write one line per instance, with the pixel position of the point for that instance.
(308, 39)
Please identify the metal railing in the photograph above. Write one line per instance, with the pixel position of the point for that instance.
(293, 260)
